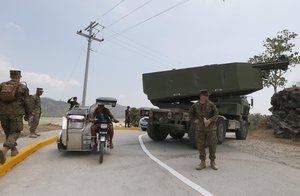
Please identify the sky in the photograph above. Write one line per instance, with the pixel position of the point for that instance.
(140, 36)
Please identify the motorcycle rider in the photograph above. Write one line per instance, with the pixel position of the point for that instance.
(103, 115)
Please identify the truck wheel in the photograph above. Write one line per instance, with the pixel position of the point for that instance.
(241, 133)
(221, 130)
(178, 135)
(155, 133)
(192, 135)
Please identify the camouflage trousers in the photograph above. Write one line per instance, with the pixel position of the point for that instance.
(34, 123)
(12, 126)
(211, 138)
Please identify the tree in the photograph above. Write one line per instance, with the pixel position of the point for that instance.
(275, 48)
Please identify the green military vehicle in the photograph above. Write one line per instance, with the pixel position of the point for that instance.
(174, 92)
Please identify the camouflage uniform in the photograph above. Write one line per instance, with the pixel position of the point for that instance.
(200, 111)
(36, 100)
(11, 114)
(127, 117)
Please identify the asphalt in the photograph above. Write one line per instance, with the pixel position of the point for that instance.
(27, 146)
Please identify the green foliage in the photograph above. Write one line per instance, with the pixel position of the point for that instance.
(134, 116)
(257, 119)
(274, 48)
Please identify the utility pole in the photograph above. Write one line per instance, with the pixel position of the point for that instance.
(90, 37)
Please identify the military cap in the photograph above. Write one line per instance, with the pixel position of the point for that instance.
(40, 89)
(204, 92)
(15, 72)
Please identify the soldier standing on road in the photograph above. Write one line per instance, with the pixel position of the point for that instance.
(204, 114)
(73, 102)
(36, 113)
(14, 104)
(127, 117)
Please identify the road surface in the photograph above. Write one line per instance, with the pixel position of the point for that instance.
(128, 170)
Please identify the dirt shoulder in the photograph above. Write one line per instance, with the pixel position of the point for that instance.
(262, 143)
(267, 135)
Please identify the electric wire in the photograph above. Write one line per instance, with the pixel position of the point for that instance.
(136, 51)
(142, 47)
(158, 63)
(136, 9)
(156, 15)
(105, 13)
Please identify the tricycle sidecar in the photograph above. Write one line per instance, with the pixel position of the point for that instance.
(76, 127)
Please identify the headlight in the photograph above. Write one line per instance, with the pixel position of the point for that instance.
(103, 126)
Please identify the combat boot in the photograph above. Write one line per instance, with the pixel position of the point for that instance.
(32, 135)
(213, 165)
(14, 151)
(202, 165)
(3, 152)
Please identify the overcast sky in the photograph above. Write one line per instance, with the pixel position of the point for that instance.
(39, 37)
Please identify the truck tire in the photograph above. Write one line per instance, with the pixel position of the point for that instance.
(155, 133)
(242, 132)
(178, 135)
(221, 130)
(192, 135)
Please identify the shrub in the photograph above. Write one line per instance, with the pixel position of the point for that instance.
(257, 120)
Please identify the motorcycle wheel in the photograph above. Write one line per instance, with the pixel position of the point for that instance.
(101, 152)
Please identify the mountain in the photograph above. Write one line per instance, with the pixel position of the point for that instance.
(53, 108)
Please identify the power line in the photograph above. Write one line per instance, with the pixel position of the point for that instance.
(156, 15)
(140, 47)
(144, 4)
(110, 10)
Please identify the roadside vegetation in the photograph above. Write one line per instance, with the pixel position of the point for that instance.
(258, 120)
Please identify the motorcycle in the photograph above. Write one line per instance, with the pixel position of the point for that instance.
(76, 135)
(102, 140)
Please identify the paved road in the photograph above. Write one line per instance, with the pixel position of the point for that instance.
(128, 170)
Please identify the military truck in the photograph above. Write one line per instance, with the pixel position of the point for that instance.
(174, 92)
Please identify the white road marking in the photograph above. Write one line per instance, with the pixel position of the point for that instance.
(174, 172)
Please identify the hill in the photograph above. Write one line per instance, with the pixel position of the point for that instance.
(54, 108)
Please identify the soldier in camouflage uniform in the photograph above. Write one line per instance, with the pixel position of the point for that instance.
(12, 112)
(204, 114)
(36, 113)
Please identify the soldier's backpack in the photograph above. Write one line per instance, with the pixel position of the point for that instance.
(8, 91)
